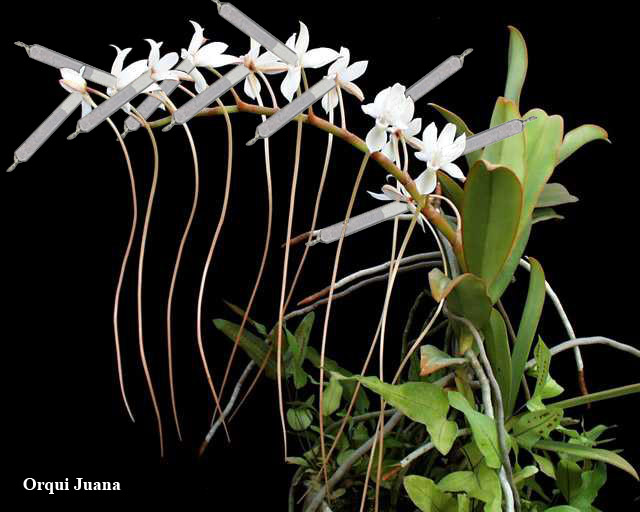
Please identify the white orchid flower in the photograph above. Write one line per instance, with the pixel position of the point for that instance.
(440, 152)
(424, 184)
(161, 67)
(267, 63)
(344, 74)
(408, 134)
(127, 75)
(315, 58)
(392, 111)
(72, 82)
(209, 56)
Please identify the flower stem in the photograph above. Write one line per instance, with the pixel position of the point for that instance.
(312, 119)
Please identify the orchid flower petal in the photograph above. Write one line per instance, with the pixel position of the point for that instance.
(291, 82)
(376, 138)
(319, 57)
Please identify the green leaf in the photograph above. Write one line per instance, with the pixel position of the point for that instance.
(332, 396)
(544, 136)
(461, 128)
(464, 504)
(543, 363)
(524, 473)
(497, 345)
(545, 465)
(592, 482)
(438, 283)
(562, 508)
(504, 279)
(483, 484)
(534, 425)
(555, 194)
(299, 419)
(254, 347)
(422, 402)
(451, 189)
(586, 452)
(518, 62)
(483, 429)
(595, 397)
(578, 137)
(261, 329)
(303, 332)
(542, 214)
(527, 329)
(467, 297)
(509, 152)
(432, 359)
(568, 478)
(426, 496)
(490, 217)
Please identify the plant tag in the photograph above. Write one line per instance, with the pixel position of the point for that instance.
(287, 113)
(438, 75)
(245, 24)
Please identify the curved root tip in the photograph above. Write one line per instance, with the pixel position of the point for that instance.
(464, 54)
(253, 141)
(27, 47)
(168, 127)
(73, 135)
(13, 166)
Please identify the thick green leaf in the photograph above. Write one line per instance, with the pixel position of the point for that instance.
(422, 402)
(433, 359)
(518, 62)
(543, 364)
(464, 503)
(483, 429)
(254, 347)
(502, 282)
(527, 329)
(544, 137)
(568, 478)
(490, 216)
(332, 396)
(595, 397)
(542, 214)
(586, 452)
(425, 495)
(451, 189)
(497, 345)
(461, 128)
(555, 194)
(467, 297)
(578, 137)
(534, 425)
(509, 152)
(299, 418)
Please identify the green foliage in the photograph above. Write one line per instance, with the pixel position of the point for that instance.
(490, 220)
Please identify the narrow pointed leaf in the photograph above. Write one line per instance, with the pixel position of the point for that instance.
(595, 397)
(578, 137)
(497, 345)
(585, 452)
(555, 194)
(518, 62)
(254, 347)
(527, 329)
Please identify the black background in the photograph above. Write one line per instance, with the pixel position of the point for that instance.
(65, 218)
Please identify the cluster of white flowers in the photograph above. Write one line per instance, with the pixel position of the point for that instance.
(392, 110)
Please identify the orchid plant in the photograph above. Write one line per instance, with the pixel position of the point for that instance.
(472, 419)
